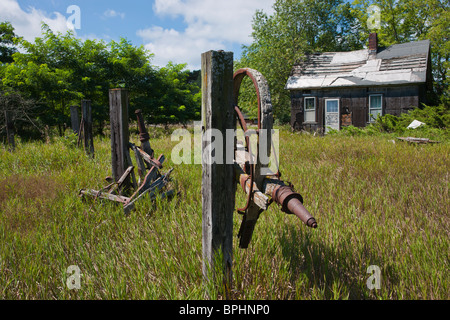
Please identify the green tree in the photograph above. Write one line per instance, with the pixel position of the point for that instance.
(21, 110)
(58, 70)
(42, 73)
(7, 48)
(439, 35)
(412, 20)
(283, 38)
(179, 96)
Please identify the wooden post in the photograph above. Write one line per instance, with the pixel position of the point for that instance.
(118, 113)
(10, 130)
(86, 110)
(75, 119)
(218, 185)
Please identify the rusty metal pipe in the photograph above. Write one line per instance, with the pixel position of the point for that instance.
(291, 203)
(144, 137)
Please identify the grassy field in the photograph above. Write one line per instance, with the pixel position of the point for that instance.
(376, 202)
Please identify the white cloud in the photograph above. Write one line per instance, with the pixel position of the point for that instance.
(113, 13)
(227, 19)
(171, 45)
(28, 23)
(211, 25)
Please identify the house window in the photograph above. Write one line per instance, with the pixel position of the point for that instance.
(310, 109)
(375, 106)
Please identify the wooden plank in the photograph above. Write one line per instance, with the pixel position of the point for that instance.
(80, 131)
(86, 110)
(149, 159)
(75, 119)
(152, 190)
(125, 175)
(104, 195)
(10, 130)
(260, 199)
(140, 163)
(152, 175)
(417, 140)
(132, 175)
(218, 187)
(118, 113)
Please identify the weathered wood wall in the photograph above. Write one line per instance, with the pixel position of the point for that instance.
(355, 101)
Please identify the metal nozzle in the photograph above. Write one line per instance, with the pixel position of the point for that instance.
(292, 203)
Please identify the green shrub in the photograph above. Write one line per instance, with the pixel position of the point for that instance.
(433, 116)
(70, 140)
(436, 119)
(350, 131)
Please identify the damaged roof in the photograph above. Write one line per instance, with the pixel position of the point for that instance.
(398, 64)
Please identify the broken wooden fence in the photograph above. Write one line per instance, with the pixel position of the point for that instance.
(83, 128)
(123, 187)
(9, 123)
(417, 140)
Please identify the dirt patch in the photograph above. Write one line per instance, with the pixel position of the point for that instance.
(28, 188)
(25, 201)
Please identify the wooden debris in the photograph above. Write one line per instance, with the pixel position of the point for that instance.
(119, 188)
(417, 140)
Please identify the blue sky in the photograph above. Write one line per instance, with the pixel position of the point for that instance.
(174, 30)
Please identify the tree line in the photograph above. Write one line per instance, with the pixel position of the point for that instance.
(44, 78)
(298, 27)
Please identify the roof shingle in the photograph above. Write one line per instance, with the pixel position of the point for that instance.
(397, 64)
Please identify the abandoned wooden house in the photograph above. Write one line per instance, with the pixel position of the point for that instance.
(337, 89)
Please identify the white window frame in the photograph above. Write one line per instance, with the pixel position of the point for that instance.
(310, 110)
(371, 119)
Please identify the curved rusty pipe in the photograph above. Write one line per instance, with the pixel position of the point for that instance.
(251, 173)
(292, 203)
(238, 76)
(144, 137)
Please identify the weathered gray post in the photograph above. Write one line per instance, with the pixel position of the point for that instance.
(218, 185)
(10, 130)
(75, 119)
(86, 110)
(118, 114)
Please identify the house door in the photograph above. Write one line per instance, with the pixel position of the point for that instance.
(331, 114)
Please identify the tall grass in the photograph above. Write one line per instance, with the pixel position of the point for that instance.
(376, 203)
